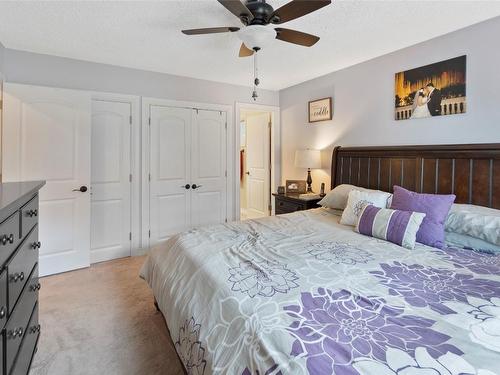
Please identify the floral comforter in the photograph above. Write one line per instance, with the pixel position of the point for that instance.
(302, 294)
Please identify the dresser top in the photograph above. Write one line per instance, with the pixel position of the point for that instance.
(12, 192)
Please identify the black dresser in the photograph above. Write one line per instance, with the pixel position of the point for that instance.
(288, 203)
(19, 283)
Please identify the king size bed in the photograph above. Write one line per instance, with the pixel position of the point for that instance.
(303, 294)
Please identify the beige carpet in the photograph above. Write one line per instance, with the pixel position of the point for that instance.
(101, 320)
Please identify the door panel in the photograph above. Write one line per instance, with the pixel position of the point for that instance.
(111, 196)
(258, 165)
(170, 160)
(46, 136)
(208, 167)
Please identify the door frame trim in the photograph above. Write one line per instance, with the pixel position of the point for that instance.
(135, 164)
(147, 102)
(275, 150)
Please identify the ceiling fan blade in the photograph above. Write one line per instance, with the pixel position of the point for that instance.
(296, 37)
(238, 9)
(297, 8)
(210, 30)
(245, 51)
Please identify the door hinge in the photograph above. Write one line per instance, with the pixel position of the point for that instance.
(130, 236)
(130, 177)
(149, 177)
(196, 110)
(149, 233)
(226, 220)
(149, 121)
(225, 173)
(130, 119)
(225, 125)
(270, 207)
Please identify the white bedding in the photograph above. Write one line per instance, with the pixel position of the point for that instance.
(302, 294)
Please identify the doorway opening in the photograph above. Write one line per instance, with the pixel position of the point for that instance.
(255, 163)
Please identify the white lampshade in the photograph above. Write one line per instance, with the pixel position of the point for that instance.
(257, 36)
(308, 159)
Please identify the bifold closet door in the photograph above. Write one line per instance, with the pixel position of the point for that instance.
(170, 171)
(110, 235)
(46, 136)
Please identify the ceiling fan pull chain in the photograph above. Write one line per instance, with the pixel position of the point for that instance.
(255, 76)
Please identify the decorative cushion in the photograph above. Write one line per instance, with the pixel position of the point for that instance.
(337, 198)
(475, 221)
(399, 227)
(435, 207)
(357, 200)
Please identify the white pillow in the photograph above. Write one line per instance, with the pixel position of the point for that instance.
(357, 200)
(474, 221)
(337, 198)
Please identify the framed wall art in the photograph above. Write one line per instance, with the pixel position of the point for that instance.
(320, 110)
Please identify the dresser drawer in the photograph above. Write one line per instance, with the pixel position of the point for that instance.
(21, 265)
(3, 298)
(9, 236)
(284, 207)
(16, 327)
(28, 346)
(29, 215)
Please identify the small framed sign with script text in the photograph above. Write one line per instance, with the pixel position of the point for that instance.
(320, 110)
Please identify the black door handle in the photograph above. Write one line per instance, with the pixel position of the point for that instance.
(82, 189)
(187, 186)
(194, 186)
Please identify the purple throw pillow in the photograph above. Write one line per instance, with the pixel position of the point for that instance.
(434, 206)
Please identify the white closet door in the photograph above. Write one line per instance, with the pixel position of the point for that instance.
(258, 165)
(110, 177)
(46, 136)
(208, 168)
(170, 169)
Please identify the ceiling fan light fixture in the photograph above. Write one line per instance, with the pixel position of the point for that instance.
(257, 36)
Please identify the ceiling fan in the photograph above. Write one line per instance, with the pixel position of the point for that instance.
(255, 15)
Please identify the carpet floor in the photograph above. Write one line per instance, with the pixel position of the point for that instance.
(101, 320)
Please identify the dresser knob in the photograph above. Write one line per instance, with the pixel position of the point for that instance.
(36, 245)
(32, 213)
(11, 238)
(17, 277)
(16, 333)
(2, 312)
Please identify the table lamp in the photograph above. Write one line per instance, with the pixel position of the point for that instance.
(308, 159)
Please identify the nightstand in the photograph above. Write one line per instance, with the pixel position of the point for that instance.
(287, 203)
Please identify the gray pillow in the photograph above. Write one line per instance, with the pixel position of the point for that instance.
(337, 198)
(462, 240)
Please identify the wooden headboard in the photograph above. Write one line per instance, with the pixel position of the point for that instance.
(471, 172)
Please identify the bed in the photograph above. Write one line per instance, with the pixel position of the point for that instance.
(303, 294)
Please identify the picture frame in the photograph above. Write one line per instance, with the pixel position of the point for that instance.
(432, 90)
(320, 110)
(295, 186)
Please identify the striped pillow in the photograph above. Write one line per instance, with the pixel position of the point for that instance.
(399, 227)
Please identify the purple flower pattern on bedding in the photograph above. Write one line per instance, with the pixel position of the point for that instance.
(339, 253)
(189, 348)
(246, 371)
(422, 286)
(264, 278)
(333, 328)
(477, 261)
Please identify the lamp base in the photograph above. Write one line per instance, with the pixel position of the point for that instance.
(309, 181)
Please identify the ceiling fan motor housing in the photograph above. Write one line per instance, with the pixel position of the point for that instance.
(261, 11)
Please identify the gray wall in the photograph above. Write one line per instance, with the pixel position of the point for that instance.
(2, 49)
(46, 70)
(363, 101)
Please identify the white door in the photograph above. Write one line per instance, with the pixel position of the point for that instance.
(187, 170)
(208, 167)
(170, 171)
(258, 165)
(110, 235)
(46, 136)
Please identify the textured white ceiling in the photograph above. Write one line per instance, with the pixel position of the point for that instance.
(146, 35)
